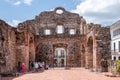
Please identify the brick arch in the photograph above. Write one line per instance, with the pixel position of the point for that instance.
(41, 52)
(89, 53)
(38, 40)
(59, 8)
(44, 50)
(67, 43)
(58, 45)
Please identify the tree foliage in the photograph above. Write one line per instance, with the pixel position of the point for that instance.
(118, 65)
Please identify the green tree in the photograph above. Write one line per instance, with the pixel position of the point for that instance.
(118, 66)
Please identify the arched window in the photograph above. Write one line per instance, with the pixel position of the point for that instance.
(114, 58)
(60, 29)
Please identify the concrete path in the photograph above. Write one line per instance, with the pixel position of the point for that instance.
(62, 74)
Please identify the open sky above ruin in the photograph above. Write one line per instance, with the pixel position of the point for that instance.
(105, 12)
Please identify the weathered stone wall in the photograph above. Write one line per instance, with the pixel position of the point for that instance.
(86, 48)
(103, 45)
(7, 48)
(25, 48)
(89, 50)
(45, 51)
(100, 45)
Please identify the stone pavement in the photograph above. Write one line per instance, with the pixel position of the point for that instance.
(62, 74)
(6, 78)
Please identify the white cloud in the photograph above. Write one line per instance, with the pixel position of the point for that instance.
(18, 2)
(14, 23)
(28, 2)
(77, 0)
(52, 9)
(99, 11)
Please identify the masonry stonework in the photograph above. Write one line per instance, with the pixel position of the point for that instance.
(86, 47)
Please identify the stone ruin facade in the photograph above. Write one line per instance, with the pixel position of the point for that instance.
(81, 44)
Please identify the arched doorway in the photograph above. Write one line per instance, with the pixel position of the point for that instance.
(90, 52)
(60, 57)
(42, 53)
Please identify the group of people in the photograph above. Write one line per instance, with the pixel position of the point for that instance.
(33, 66)
(36, 66)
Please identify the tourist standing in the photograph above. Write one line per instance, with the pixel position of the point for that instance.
(23, 68)
(32, 66)
(36, 66)
(46, 66)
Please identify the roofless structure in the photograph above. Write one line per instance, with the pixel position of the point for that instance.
(57, 37)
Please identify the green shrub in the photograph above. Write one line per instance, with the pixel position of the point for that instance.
(117, 65)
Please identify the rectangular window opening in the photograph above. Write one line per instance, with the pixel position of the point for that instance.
(47, 32)
(59, 29)
(72, 31)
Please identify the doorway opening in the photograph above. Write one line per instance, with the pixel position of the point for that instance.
(60, 57)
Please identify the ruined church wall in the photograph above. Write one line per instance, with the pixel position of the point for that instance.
(11, 59)
(8, 51)
(103, 45)
(100, 42)
(25, 48)
(46, 48)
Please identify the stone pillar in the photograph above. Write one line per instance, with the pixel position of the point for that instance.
(81, 59)
(86, 58)
(82, 56)
(31, 52)
(27, 57)
(95, 57)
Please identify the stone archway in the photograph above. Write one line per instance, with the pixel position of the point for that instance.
(90, 52)
(42, 53)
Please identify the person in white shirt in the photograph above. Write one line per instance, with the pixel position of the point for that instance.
(36, 66)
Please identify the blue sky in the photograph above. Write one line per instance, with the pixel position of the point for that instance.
(96, 11)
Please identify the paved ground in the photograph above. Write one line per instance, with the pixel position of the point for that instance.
(62, 74)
